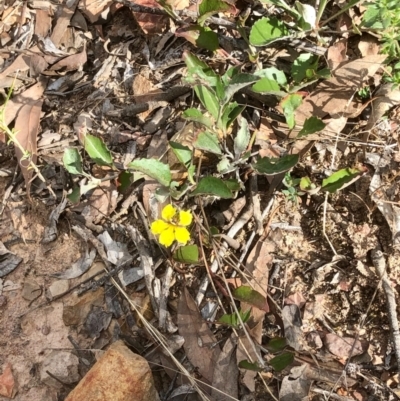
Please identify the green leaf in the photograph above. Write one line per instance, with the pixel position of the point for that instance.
(307, 185)
(276, 344)
(208, 100)
(233, 320)
(265, 85)
(198, 69)
(273, 74)
(249, 366)
(154, 169)
(289, 104)
(198, 117)
(231, 112)
(232, 184)
(72, 161)
(265, 30)
(272, 166)
(212, 186)
(280, 362)
(253, 297)
(224, 165)
(311, 125)
(210, 7)
(207, 39)
(208, 142)
(125, 180)
(238, 82)
(341, 179)
(242, 138)
(75, 195)
(97, 150)
(188, 254)
(182, 153)
(304, 66)
(308, 14)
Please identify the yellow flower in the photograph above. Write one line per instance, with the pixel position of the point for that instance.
(172, 226)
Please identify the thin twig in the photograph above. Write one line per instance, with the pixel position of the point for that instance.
(379, 263)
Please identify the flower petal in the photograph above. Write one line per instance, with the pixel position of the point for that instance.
(182, 235)
(168, 213)
(185, 218)
(167, 236)
(158, 226)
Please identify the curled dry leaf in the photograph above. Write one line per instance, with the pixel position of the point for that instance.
(71, 63)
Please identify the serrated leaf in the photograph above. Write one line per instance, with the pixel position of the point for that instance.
(198, 117)
(237, 83)
(276, 344)
(253, 297)
(188, 254)
(311, 126)
(208, 99)
(272, 166)
(154, 169)
(341, 179)
(208, 142)
(233, 320)
(72, 161)
(97, 150)
(280, 362)
(242, 138)
(249, 366)
(182, 153)
(289, 104)
(265, 30)
(212, 186)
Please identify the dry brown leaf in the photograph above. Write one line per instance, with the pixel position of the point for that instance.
(201, 346)
(141, 85)
(178, 4)
(63, 21)
(27, 127)
(150, 23)
(368, 45)
(337, 53)
(37, 65)
(94, 8)
(7, 382)
(71, 63)
(15, 104)
(226, 373)
(334, 96)
(385, 98)
(248, 376)
(343, 347)
(42, 22)
(21, 63)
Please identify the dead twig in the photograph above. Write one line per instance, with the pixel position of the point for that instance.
(379, 263)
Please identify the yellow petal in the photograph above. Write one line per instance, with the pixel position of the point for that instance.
(168, 213)
(167, 236)
(158, 226)
(182, 235)
(185, 218)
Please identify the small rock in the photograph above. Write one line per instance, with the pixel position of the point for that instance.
(31, 290)
(57, 288)
(61, 364)
(119, 375)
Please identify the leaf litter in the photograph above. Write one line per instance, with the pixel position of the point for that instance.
(86, 86)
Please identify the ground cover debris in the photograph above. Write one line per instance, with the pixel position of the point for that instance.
(206, 193)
